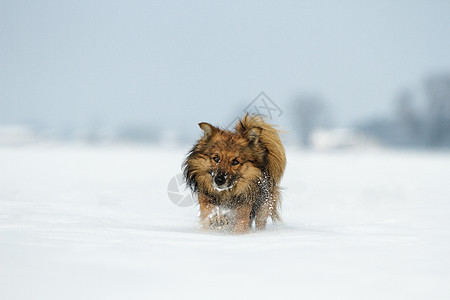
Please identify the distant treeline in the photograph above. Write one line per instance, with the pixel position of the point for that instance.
(419, 120)
(423, 123)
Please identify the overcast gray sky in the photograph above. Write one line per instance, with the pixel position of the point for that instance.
(175, 63)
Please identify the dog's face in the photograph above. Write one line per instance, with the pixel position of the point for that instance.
(225, 163)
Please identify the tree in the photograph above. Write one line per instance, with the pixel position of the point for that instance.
(438, 117)
(308, 114)
(408, 122)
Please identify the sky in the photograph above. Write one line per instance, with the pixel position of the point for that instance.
(172, 64)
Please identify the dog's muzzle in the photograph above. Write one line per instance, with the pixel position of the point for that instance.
(220, 182)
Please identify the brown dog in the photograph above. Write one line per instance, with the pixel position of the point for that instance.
(236, 175)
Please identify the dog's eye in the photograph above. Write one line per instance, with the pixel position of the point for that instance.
(216, 159)
(234, 162)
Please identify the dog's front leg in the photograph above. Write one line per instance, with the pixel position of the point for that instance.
(242, 219)
(206, 210)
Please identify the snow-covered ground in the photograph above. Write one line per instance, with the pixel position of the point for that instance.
(96, 223)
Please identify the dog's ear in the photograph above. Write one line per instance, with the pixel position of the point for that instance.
(207, 128)
(253, 134)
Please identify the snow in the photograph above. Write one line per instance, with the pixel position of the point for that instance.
(80, 222)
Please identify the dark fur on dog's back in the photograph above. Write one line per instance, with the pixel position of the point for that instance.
(237, 171)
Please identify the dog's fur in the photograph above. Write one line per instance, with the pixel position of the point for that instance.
(236, 175)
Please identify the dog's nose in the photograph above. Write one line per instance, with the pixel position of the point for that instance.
(219, 179)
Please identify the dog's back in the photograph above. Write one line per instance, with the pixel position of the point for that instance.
(276, 157)
(276, 161)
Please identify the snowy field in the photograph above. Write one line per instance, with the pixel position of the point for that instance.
(95, 223)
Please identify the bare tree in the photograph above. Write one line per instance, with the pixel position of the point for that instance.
(408, 121)
(438, 119)
(308, 113)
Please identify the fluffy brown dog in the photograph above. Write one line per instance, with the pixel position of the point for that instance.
(236, 175)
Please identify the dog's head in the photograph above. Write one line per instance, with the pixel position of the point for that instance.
(225, 162)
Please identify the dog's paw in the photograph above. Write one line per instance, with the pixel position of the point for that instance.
(219, 222)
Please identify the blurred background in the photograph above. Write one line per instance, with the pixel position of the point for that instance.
(334, 74)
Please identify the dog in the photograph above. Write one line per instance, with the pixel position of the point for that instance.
(236, 175)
